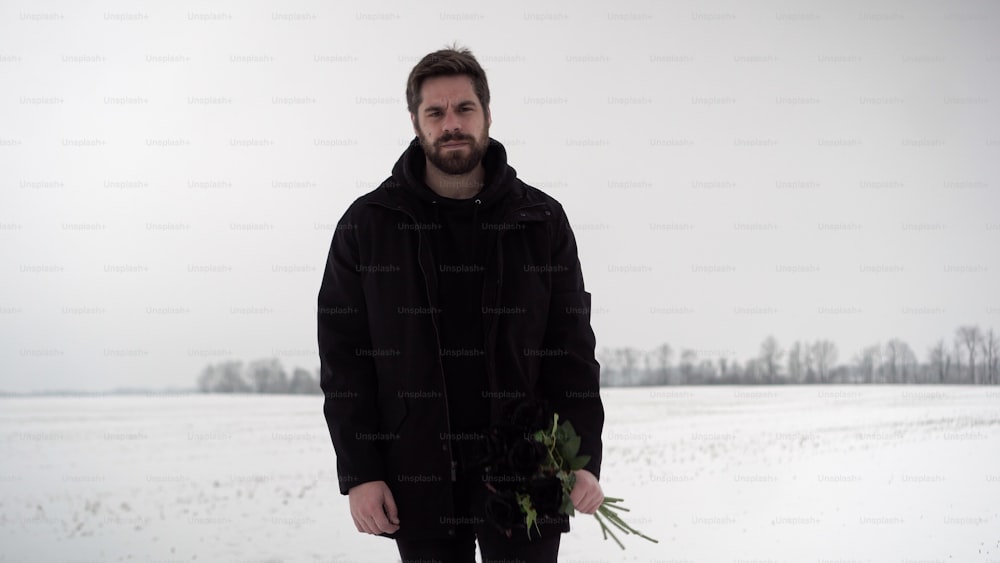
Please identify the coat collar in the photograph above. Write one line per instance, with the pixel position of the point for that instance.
(406, 190)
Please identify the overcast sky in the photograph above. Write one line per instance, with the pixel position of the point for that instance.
(170, 175)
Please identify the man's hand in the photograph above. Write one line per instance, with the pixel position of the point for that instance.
(586, 495)
(370, 503)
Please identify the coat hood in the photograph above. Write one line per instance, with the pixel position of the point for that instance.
(409, 170)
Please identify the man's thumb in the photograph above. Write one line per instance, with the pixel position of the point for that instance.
(390, 505)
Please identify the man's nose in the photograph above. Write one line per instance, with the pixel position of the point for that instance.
(451, 122)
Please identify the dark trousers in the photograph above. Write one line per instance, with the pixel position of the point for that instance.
(462, 549)
(495, 547)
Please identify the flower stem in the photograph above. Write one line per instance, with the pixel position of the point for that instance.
(606, 510)
(605, 530)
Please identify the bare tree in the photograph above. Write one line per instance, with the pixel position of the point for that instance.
(868, 362)
(630, 362)
(969, 336)
(267, 376)
(825, 354)
(225, 377)
(795, 369)
(660, 357)
(890, 359)
(770, 358)
(207, 379)
(908, 363)
(735, 371)
(939, 361)
(989, 345)
(303, 382)
(900, 361)
(752, 371)
(706, 371)
(610, 367)
(688, 360)
(808, 363)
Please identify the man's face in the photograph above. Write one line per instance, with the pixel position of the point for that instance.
(453, 128)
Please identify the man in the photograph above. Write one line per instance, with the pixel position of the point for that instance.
(449, 290)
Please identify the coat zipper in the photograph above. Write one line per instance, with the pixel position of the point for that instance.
(437, 336)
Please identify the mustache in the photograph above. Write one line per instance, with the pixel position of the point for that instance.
(453, 139)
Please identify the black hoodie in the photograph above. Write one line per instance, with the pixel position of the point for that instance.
(459, 246)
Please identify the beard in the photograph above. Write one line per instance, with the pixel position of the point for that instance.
(460, 160)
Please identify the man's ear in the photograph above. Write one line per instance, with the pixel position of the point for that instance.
(489, 117)
(413, 120)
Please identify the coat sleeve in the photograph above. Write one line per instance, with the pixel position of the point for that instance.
(347, 375)
(570, 378)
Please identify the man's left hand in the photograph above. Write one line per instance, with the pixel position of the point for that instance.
(586, 495)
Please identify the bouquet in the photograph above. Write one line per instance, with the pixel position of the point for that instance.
(530, 472)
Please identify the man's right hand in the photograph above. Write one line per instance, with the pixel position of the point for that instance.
(371, 503)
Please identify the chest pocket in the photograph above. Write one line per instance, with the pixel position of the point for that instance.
(533, 214)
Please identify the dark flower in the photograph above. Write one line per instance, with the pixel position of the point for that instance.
(546, 494)
(529, 415)
(498, 441)
(501, 436)
(500, 476)
(517, 468)
(502, 511)
(526, 456)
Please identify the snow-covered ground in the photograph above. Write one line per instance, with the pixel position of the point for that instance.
(718, 474)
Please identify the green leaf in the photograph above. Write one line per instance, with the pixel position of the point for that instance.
(569, 450)
(567, 428)
(579, 462)
(565, 477)
(567, 506)
(530, 514)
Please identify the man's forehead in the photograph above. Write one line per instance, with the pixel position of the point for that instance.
(453, 89)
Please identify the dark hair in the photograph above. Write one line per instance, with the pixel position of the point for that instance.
(449, 61)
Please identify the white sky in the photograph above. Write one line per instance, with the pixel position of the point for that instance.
(807, 170)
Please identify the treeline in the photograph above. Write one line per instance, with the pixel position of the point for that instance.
(259, 376)
(970, 358)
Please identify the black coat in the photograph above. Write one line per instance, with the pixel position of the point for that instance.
(385, 399)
